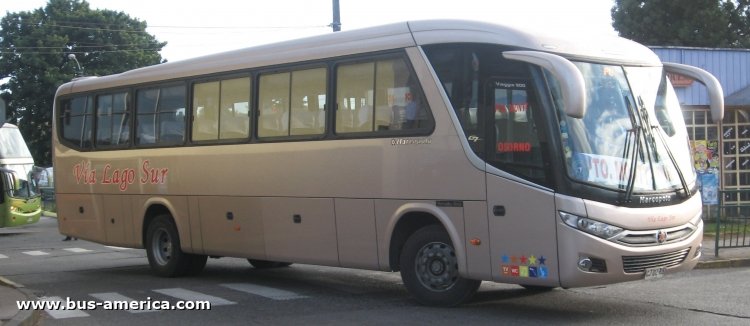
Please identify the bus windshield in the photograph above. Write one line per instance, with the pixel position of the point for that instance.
(12, 144)
(15, 187)
(632, 137)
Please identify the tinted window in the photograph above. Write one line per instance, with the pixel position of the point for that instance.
(160, 115)
(112, 119)
(76, 119)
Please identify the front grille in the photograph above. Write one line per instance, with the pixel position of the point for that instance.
(649, 238)
(639, 264)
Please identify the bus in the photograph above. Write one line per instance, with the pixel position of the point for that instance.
(453, 152)
(20, 202)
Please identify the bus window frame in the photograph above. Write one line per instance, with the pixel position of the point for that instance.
(374, 57)
(330, 64)
(252, 75)
(160, 86)
(129, 111)
(291, 68)
(60, 115)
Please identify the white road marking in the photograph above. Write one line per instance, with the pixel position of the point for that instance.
(264, 291)
(188, 295)
(62, 314)
(36, 253)
(113, 297)
(118, 248)
(77, 250)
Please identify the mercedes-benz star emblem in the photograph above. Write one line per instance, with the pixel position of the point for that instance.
(661, 236)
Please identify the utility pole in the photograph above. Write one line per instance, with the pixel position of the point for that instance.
(336, 25)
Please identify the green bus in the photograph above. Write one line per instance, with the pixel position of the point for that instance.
(20, 201)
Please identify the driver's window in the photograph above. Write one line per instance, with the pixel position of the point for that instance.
(516, 136)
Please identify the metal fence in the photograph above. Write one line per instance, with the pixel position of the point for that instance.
(733, 222)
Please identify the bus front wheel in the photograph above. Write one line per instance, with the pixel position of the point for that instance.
(165, 256)
(429, 269)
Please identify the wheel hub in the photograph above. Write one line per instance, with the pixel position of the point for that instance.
(437, 266)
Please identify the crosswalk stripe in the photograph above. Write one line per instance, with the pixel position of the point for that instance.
(35, 253)
(62, 314)
(77, 250)
(3, 256)
(264, 291)
(118, 248)
(114, 296)
(188, 295)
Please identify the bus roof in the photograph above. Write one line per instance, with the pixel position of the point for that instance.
(393, 36)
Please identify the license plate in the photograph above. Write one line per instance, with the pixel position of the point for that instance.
(655, 273)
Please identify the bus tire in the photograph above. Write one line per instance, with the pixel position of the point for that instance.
(263, 264)
(165, 256)
(196, 265)
(429, 269)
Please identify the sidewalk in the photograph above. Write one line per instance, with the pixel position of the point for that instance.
(11, 292)
(728, 257)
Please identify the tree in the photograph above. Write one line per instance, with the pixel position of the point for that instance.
(699, 23)
(36, 59)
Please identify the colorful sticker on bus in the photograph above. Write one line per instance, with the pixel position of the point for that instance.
(524, 266)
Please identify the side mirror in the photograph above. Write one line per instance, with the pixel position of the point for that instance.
(715, 93)
(571, 80)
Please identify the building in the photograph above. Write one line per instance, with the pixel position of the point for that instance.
(721, 148)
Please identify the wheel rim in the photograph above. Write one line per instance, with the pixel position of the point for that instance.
(437, 266)
(162, 247)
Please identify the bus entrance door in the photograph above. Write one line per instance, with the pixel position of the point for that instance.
(522, 232)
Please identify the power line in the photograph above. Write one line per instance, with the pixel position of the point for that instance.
(77, 52)
(105, 29)
(72, 46)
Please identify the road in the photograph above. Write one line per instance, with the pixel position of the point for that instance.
(82, 271)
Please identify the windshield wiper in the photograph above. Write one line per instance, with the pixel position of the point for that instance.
(648, 128)
(636, 148)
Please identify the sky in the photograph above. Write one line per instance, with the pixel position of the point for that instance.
(195, 28)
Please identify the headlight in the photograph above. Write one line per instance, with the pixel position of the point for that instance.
(599, 229)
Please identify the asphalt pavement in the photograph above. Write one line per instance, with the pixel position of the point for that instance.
(11, 292)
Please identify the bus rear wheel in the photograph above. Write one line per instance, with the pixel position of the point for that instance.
(429, 269)
(165, 256)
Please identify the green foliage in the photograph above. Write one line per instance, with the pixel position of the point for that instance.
(35, 59)
(697, 23)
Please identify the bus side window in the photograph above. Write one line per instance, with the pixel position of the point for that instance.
(221, 110)
(378, 96)
(112, 119)
(172, 115)
(76, 120)
(308, 102)
(160, 115)
(146, 118)
(234, 117)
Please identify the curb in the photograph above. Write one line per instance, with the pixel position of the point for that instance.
(22, 317)
(724, 263)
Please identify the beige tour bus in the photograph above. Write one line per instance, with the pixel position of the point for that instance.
(454, 152)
